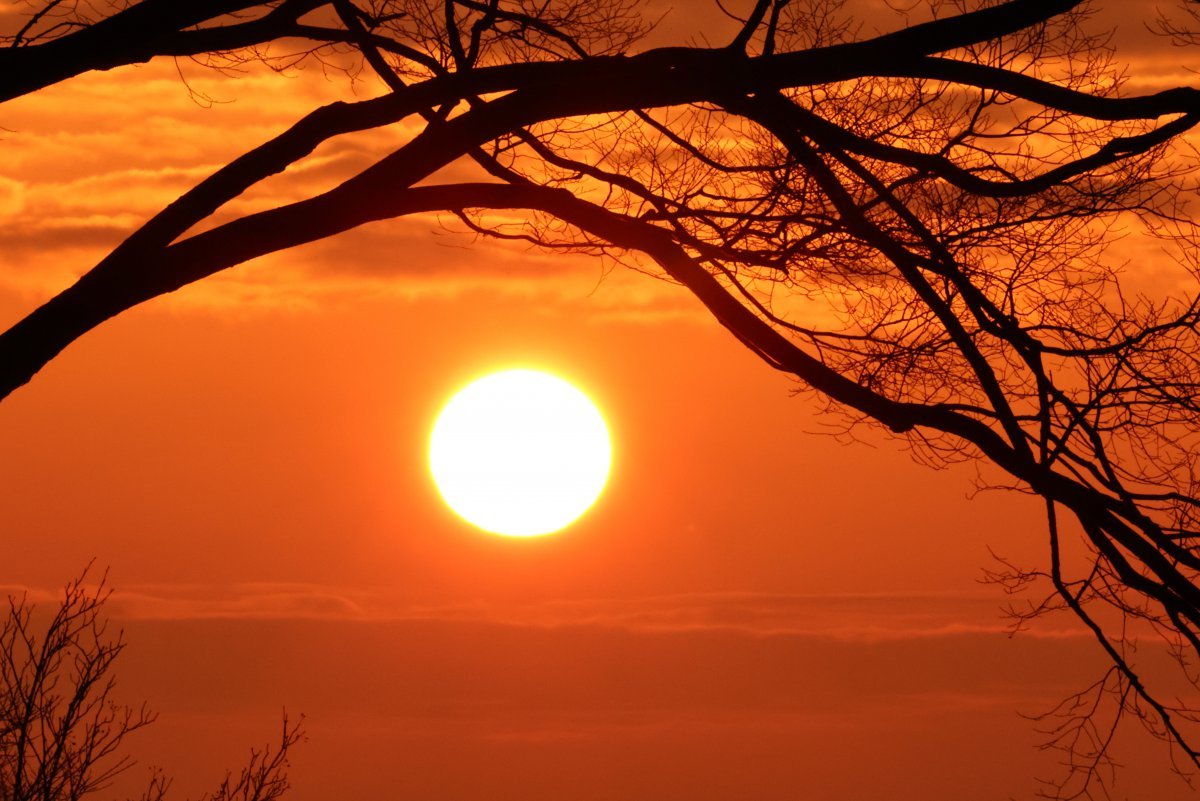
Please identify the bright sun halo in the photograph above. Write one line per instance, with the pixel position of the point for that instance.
(520, 453)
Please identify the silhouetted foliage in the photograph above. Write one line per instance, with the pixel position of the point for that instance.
(915, 225)
(62, 729)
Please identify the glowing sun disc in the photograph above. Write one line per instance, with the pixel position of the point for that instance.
(520, 453)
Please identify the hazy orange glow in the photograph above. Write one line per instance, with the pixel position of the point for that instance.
(756, 609)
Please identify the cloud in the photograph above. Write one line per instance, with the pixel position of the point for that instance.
(864, 618)
(511, 676)
(90, 160)
(611, 708)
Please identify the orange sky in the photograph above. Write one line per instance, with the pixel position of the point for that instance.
(752, 610)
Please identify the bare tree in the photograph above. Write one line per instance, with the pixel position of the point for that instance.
(62, 729)
(915, 225)
(264, 778)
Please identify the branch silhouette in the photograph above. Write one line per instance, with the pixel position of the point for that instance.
(62, 730)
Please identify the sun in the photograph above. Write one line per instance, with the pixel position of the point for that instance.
(520, 453)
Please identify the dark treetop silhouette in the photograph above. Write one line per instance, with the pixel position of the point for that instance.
(61, 729)
(913, 224)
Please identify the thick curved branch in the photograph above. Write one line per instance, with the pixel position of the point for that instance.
(1114, 150)
(133, 35)
(1110, 108)
(669, 76)
(160, 27)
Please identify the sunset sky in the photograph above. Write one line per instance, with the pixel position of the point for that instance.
(754, 609)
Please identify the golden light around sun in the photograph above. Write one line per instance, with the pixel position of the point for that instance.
(520, 453)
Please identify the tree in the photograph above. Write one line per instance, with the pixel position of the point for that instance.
(62, 729)
(915, 225)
